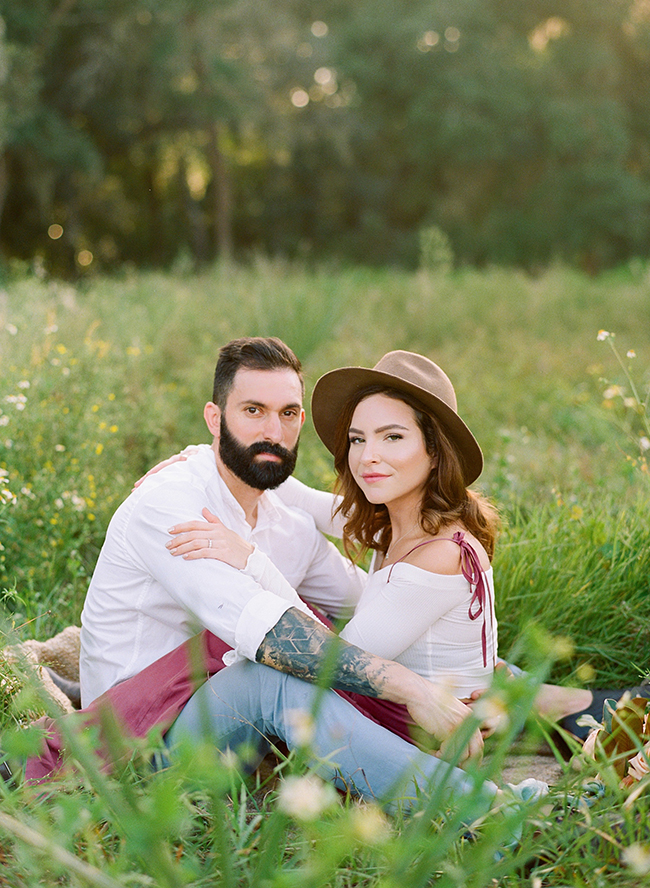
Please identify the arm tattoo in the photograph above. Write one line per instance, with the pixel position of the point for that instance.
(301, 646)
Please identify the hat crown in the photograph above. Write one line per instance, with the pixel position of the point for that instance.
(419, 371)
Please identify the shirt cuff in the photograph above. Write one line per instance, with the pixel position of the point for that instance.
(261, 569)
(257, 619)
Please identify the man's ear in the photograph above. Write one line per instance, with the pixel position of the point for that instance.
(302, 416)
(212, 416)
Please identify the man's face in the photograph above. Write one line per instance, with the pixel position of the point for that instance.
(260, 427)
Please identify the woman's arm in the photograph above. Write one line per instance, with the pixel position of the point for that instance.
(318, 503)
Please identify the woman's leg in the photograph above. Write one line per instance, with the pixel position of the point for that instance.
(246, 703)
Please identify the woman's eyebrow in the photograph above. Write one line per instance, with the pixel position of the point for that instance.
(385, 428)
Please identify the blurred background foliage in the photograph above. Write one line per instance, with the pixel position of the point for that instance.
(173, 132)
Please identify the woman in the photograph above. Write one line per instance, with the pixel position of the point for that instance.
(404, 460)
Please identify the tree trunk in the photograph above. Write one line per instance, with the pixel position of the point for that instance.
(221, 203)
(4, 184)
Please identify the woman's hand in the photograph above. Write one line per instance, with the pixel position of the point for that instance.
(440, 714)
(177, 457)
(209, 539)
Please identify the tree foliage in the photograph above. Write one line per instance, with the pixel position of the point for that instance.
(151, 131)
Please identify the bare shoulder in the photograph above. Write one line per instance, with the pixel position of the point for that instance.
(443, 555)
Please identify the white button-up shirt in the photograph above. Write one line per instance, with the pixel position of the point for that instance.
(142, 601)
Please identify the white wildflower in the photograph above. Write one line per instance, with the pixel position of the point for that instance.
(11, 329)
(305, 798)
(644, 443)
(612, 392)
(492, 711)
(6, 496)
(24, 384)
(603, 334)
(369, 824)
(631, 353)
(303, 726)
(637, 857)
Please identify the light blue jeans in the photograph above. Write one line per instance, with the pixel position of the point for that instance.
(247, 704)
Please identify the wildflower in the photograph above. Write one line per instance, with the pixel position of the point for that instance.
(4, 419)
(644, 443)
(631, 354)
(133, 350)
(24, 384)
(61, 349)
(603, 334)
(11, 329)
(302, 723)
(99, 449)
(630, 403)
(59, 448)
(369, 824)
(492, 710)
(305, 798)
(52, 328)
(6, 496)
(637, 857)
(612, 391)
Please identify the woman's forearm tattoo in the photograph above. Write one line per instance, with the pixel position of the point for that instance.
(301, 646)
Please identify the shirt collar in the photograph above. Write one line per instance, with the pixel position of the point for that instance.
(220, 497)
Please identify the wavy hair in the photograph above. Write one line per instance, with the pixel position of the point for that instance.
(446, 499)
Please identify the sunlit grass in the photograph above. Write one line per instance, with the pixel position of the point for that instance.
(99, 381)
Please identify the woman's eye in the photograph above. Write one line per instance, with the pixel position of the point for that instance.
(394, 437)
(356, 440)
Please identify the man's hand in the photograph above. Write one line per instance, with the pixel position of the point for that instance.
(177, 457)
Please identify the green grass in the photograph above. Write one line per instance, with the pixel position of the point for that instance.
(99, 381)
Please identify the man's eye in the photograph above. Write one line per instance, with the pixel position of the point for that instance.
(252, 410)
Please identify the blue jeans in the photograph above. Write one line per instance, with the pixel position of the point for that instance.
(247, 704)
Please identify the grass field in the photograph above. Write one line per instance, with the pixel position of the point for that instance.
(99, 381)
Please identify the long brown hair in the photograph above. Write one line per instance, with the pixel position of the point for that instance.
(446, 499)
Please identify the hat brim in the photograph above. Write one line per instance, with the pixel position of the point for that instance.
(334, 389)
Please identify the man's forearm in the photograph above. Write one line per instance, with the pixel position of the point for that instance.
(301, 646)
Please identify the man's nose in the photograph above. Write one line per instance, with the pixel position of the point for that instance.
(273, 429)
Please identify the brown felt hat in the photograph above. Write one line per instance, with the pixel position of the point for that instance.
(405, 372)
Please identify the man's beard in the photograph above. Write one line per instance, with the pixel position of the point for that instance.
(264, 475)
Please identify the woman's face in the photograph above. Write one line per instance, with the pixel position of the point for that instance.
(387, 456)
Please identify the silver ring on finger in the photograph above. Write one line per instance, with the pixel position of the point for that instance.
(209, 544)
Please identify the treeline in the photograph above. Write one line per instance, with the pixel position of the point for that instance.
(156, 131)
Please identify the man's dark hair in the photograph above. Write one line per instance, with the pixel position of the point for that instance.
(253, 353)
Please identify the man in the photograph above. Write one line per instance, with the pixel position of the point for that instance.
(142, 602)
